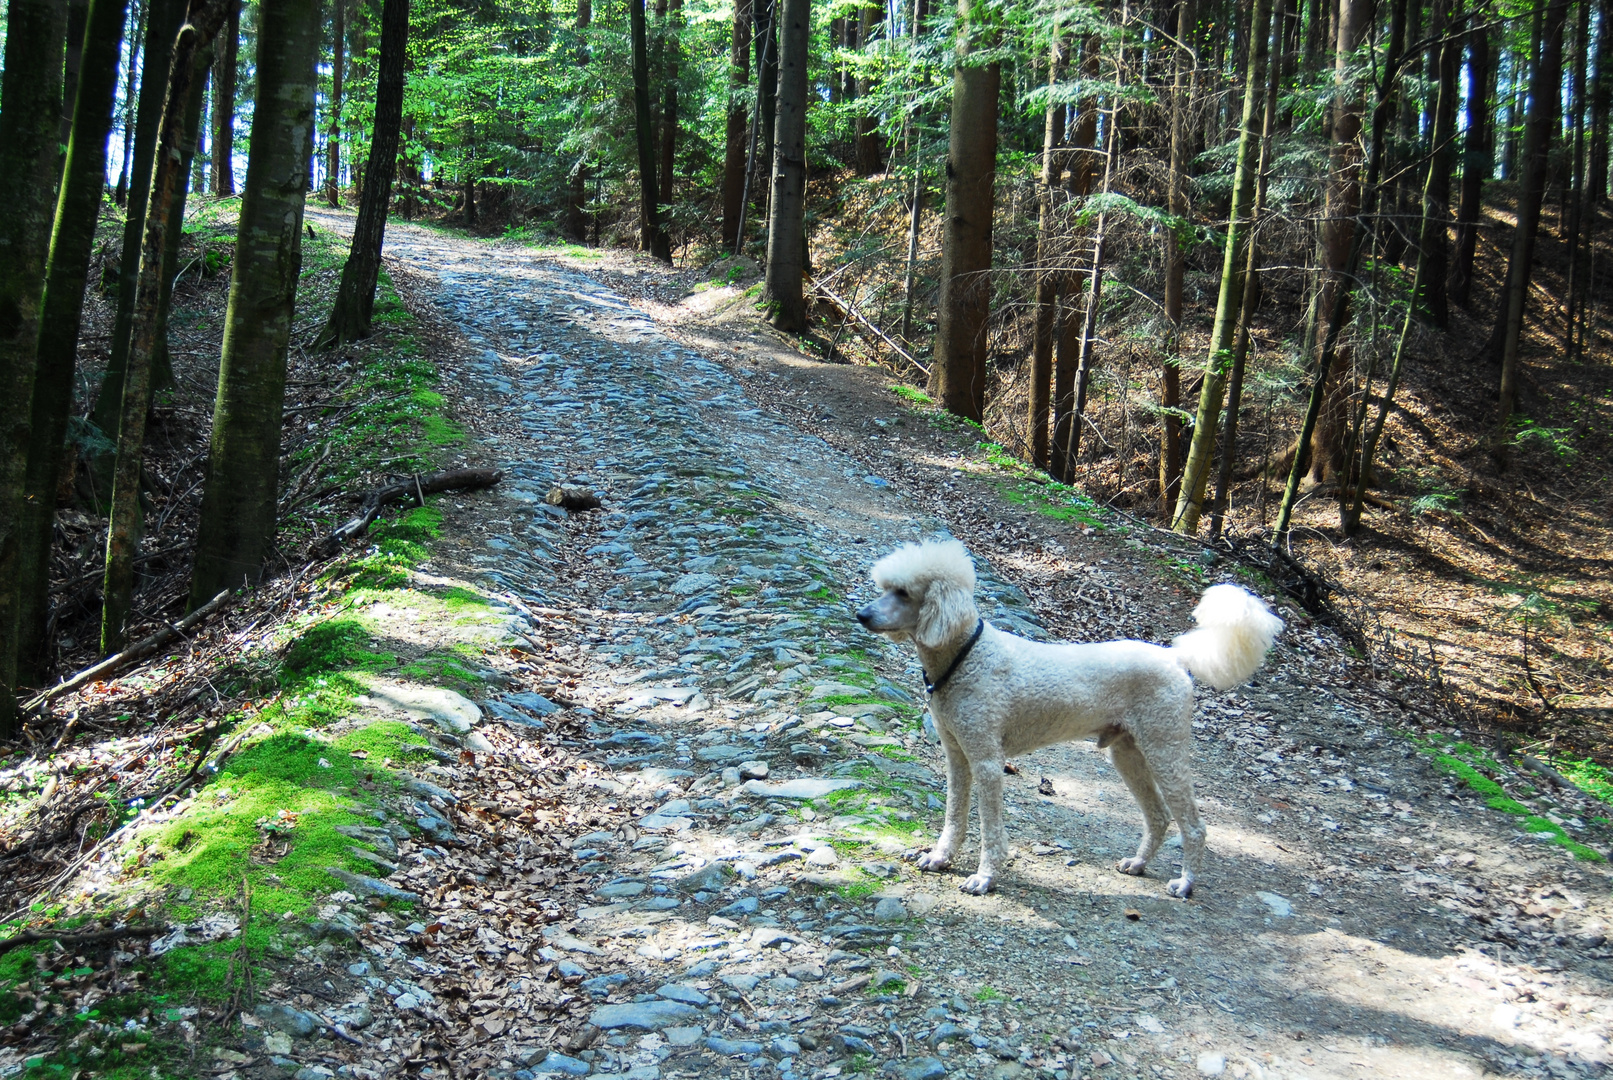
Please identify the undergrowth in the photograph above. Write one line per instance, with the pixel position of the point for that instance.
(1477, 769)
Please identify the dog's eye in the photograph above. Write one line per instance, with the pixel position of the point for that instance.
(901, 594)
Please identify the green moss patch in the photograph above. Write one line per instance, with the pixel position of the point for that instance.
(1464, 762)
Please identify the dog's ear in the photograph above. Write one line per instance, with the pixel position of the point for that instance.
(943, 615)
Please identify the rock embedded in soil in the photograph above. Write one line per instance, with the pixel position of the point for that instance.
(811, 787)
(368, 886)
(890, 909)
(448, 709)
(922, 1068)
(644, 1015)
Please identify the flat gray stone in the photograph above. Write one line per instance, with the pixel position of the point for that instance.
(1279, 905)
(686, 994)
(706, 879)
(733, 1047)
(448, 709)
(290, 1020)
(430, 790)
(722, 753)
(683, 1036)
(621, 890)
(368, 886)
(923, 1068)
(753, 770)
(890, 909)
(534, 703)
(689, 584)
(557, 1062)
(644, 1015)
(809, 787)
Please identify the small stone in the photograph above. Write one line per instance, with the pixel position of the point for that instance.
(921, 904)
(771, 937)
(686, 994)
(557, 1062)
(923, 1068)
(368, 886)
(731, 777)
(287, 1019)
(277, 1042)
(890, 909)
(618, 890)
(707, 879)
(753, 770)
(1150, 1023)
(448, 709)
(643, 1015)
(359, 970)
(745, 905)
(683, 1036)
(824, 856)
(733, 1047)
(1279, 905)
(1212, 1063)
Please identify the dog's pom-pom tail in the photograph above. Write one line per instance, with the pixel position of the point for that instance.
(1234, 634)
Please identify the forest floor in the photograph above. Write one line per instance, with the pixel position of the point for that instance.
(633, 794)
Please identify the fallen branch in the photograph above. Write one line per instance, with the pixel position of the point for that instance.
(140, 650)
(416, 486)
(849, 309)
(30, 937)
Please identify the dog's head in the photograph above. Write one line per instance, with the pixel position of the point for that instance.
(929, 594)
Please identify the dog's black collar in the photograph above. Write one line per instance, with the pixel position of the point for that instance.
(963, 654)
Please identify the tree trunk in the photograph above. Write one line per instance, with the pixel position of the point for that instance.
(767, 65)
(189, 140)
(1170, 383)
(61, 307)
(1477, 154)
(1094, 298)
(168, 174)
(1601, 97)
(236, 531)
(786, 223)
(30, 130)
(870, 147)
(577, 199)
(651, 238)
(1234, 264)
(136, 24)
(1433, 253)
(1343, 201)
(669, 114)
(958, 375)
(355, 297)
(1576, 194)
(77, 16)
(1048, 277)
(225, 54)
(1536, 169)
(162, 23)
(333, 131)
(1084, 134)
(733, 173)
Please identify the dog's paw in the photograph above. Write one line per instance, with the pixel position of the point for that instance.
(1133, 866)
(978, 884)
(933, 860)
(1181, 887)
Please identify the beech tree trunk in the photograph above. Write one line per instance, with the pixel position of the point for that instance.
(958, 375)
(162, 23)
(236, 531)
(786, 222)
(355, 297)
(30, 127)
(733, 173)
(225, 54)
(333, 130)
(168, 173)
(1234, 265)
(1478, 150)
(188, 148)
(1536, 169)
(61, 308)
(651, 237)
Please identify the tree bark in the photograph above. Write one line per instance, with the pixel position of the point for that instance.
(786, 223)
(188, 148)
(733, 173)
(137, 23)
(77, 16)
(355, 297)
(1536, 167)
(1601, 97)
(669, 112)
(577, 199)
(1477, 154)
(651, 237)
(168, 173)
(1048, 277)
(225, 55)
(236, 531)
(1170, 383)
(333, 131)
(766, 43)
(870, 147)
(958, 375)
(1343, 202)
(30, 129)
(61, 307)
(1234, 264)
(1575, 191)
(162, 23)
(1433, 248)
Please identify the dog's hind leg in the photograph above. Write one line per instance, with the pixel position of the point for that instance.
(1175, 780)
(988, 776)
(957, 813)
(1134, 770)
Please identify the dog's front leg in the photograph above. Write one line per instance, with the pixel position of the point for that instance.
(957, 813)
(988, 777)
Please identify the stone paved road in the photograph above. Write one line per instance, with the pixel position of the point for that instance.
(760, 919)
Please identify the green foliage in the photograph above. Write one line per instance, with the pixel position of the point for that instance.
(1464, 762)
(331, 646)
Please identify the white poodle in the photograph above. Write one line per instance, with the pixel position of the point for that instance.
(996, 696)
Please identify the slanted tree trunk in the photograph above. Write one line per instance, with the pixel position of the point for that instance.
(651, 237)
(168, 173)
(1234, 265)
(1535, 168)
(236, 531)
(160, 358)
(1049, 278)
(1478, 151)
(83, 184)
(786, 222)
(333, 131)
(1343, 202)
(733, 173)
(30, 130)
(77, 15)
(1170, 383)
(162, 23)
(355, 297)
(870, 147)
(1575, 193)
(225, 54)
(137, 22)
(958, 375)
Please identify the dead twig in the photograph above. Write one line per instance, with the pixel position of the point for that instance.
(850, 309)
(73, 941)
(377, 499)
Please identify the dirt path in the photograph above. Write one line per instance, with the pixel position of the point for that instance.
(1359, 913)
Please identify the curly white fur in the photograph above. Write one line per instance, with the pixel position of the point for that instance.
(1009, 696)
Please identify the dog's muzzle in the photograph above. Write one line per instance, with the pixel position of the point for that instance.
(865, 615)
